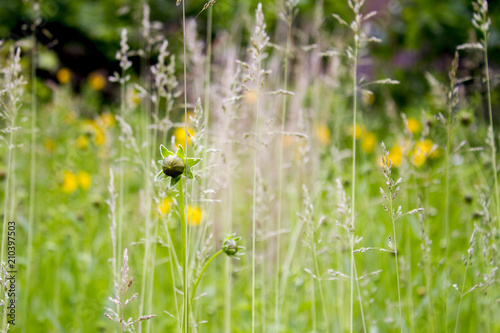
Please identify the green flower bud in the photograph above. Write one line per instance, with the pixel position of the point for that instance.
(173, 166)
(230, 246)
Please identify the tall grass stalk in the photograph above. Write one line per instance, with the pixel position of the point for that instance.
(289, 5)
(182, 187)
(33, 150)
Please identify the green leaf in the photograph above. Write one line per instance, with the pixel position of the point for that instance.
(191, 162)
(180, 153)
(160, 176)
(164, 151)
(189, 173)
(174, 181)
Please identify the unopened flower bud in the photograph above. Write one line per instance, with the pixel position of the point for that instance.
(230, 245)
(173, 166)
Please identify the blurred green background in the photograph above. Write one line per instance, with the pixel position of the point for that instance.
(417, 35)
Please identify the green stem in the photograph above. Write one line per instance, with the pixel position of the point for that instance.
(397, 264)
(492, 143)
(323, 304)
(461, 295)
(184, 227)
(195, 286)
(280, 168)
(353, 193)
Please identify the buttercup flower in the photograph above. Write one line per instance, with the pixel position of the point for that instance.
(97, 81)
(164, 206)
(63, 75)
(84, 180)
(180, 135)
(69, 183)
(368, 142)
(82, 142)
(359, 131)
(323, 134)
(396, 155)
(414, 125)
(193, 215)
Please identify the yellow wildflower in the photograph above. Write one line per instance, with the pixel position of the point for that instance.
(50, 145)
(193, 215)
(164, 206)
(323, 134)
(69, 183)
(414, 125)
(368, 142)
(84, 179)
(82, 142)
(107, 119)
(250, 97)
(359, 131)
(99, 137)
(396, 155)
(180, 135)
(97, 81)
(424, 149)
(63, 75)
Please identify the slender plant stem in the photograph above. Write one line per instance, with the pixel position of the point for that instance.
(323, 303)
(184, 221)
(281, 173)
(205, 267)
(461, 295)
(254, 199)
(353, 193)
(184, 226)
(397, 262)
(31, 215)
(492, 143)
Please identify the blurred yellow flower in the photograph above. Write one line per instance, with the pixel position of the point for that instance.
(50, 145)
(424, 149)
(107, 119)
(69, 183)
(164, 206)
(99, 137)
(180, 135)
(368, 142)
(250, 97)
(396, 155)
(414, 125)
(82, 142)
(323, 134)
(360, 129)
(63, 75)
(193, 215)
(97, 81)
(84, 180)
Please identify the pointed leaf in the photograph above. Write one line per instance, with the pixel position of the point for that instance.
(180, 153)
(191, 162)
(164, 151)
(174, 181)
(189, 173)
(160, 176)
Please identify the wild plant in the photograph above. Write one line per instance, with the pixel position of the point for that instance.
(120, 298)
(254, 73)
(393, 188)
(313, 237)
